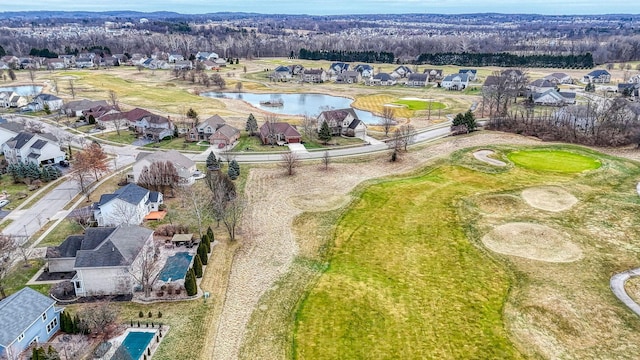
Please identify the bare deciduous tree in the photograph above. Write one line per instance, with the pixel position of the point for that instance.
(290, 162)
(326, 159)
(160, 176)
(72, 88)
(388, 119)
(223, 190)
(97, 318)
(309, 127)
(8, 246)
(198, 201)
(146, 269)
(233, 212)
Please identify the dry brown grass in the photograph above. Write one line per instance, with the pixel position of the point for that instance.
(532, 241)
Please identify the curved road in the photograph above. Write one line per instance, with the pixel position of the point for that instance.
(26, 222)
(617, 286)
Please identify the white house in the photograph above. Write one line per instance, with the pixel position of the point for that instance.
(26, 318)
(365, 70)
(551, 97)
(31, 148)
(127, 205)
(52, 101)
(175, 57)
(184, 166)
(401, 71)
(598, 77)
(559, 78)
(472, 74)
(455, 82)
(104, 259)
(418, 79)
(541, 85)
(5, 98)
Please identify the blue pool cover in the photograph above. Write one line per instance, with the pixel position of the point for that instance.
(136, 343)
(176, 267)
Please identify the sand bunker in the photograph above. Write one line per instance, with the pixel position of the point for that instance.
(532, 241)
(549, 198)
(319, 202)
(483, 155)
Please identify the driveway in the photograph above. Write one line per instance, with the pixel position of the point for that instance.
(297, 148)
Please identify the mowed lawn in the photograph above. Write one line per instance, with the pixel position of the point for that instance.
(553, 160)
(420, 104)
(404, 282)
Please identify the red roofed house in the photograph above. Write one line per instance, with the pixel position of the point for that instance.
(279, 133)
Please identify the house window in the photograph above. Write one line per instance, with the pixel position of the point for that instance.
(20, 337)
(44, 317)
(52, 325)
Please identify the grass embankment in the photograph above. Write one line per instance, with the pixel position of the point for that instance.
(408, 276)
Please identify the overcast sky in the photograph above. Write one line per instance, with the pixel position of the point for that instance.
(331, 7)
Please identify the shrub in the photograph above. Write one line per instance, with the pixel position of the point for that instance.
(197, 266)
(159, 314)
(150, 314)
(140, 314)
(190, 283)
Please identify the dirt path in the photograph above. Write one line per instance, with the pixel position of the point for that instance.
(268, 246)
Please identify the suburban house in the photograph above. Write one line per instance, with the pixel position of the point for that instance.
(338, 68)
(103, 259)
(348, 77)
(205, 129)
(458, 81)
(629, 89)
(5, 98)
(26, 317)
(225, 135)
(203, 55)
(418, 79)
(55, 64)
(31, 148)
(435, 75)
(382, 79)
(127, 205)
(84, 62)
(182, 65)
(114, 119)
(9, 130)
(69, 60)
(551, 97)
(365, 70)
(541, 85)
(597, 77)
(75, 108)
(314, 75)
(154, 127)
(99, 111)
(342, 122)
(51, 101)
(472, 74)
(175, 57)
(279, 133)
(184, 166)
(559, 78)
(282, 73)
(401, 71)
(17, 101)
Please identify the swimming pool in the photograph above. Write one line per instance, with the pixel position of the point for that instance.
(176, 267)
(136, 343)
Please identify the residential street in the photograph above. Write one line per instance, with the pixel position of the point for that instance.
(27, 222)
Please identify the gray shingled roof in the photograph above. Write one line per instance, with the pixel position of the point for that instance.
(130, 193)
(13, 127)
(119, 249)
(39, 144)
(72, 244)
(175, 157)
(18, 311)
(18, 141)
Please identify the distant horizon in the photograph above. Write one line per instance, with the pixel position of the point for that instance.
(334, 7)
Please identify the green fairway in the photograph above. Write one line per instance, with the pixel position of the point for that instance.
(404, 281)
(407, 275)
(420, 104)
(553, 160)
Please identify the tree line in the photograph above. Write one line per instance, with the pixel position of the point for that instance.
(508, 60)
(347, 56)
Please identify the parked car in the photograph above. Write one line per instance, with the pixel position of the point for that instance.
(3, 203)
(64, 163)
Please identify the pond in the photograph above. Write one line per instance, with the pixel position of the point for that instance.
(297, 104)
(23, 90)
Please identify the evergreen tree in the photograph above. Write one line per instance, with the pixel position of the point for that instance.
(234, 164)
(190, 283)
(232, 172)
(470, 120)
(202, 251)
(32, 171)
(210, 234)
(458, 120)
(206, 242)
(325, 133)
(197, 266)
(212, 162)
(76, 324)
(92, 120)
(252, 125)
(52, 353)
